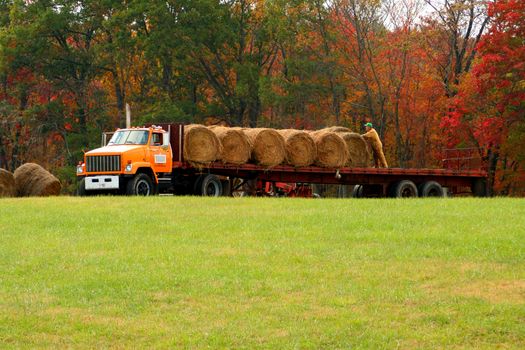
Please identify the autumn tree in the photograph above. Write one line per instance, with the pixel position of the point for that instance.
(458, 26)
(489, 108)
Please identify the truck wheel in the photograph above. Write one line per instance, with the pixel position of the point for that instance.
(431, 189)
(404, 189)
(140, 185)
(81, 188)
(211, 186)
(357, 191)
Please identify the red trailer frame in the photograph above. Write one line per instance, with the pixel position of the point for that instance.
(378, 182)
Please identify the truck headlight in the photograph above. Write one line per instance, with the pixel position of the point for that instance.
(129, 167)
(80, 169)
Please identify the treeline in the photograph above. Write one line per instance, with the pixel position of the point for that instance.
(430, 74)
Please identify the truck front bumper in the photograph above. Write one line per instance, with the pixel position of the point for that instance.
(102, 182)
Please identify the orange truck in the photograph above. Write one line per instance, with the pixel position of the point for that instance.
(149, 160)
(134, 162)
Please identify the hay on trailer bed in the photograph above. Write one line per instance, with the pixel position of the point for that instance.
(267, 146)
(32, 180)
(337, 129)
(331, 149)
(235, 144)
(300, 147)
(358, 149)
(7, 184)
(201, 146)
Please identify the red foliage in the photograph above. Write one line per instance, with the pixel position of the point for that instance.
(491, 100)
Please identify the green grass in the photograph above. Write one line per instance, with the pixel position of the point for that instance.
(171, 272)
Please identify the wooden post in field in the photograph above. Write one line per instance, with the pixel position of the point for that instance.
(128, 116)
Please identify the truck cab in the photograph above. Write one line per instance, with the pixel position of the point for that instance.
(132, 162)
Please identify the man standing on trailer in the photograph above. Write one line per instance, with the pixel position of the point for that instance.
(373, 140)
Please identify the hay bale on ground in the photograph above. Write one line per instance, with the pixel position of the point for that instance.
(32, 180)
(235, 144)
(267, 146)
(201, 146)
(7, 184)
(358, 149)
(331, 149)
(300, 147)
(337, 129)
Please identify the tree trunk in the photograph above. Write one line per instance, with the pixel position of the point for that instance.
(254, 111)
(120, 96)
(492, 160)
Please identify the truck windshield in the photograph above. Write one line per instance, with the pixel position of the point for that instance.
(129, 137)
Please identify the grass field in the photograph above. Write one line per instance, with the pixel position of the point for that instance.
(250, 273)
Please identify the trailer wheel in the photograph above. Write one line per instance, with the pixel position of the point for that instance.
(404, 189)
(140, 185)
(431, 189)
(357, 191)
(81, 188)
(211, 186)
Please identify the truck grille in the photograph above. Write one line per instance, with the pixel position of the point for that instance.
(102, 163)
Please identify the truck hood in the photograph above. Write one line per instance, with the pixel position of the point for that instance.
(115, 149)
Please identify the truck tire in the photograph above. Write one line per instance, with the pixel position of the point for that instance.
(81, 188)
(404, 189)
(140, 185)
(211, 186)
(431, 189)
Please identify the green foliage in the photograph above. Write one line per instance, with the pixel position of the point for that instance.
(67, 177)
(163, 112)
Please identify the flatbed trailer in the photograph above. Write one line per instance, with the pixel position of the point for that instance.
(367, 182)
(156, 163)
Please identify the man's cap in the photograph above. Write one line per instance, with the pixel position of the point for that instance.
(369, 125)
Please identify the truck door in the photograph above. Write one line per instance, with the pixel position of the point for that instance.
(160, 151)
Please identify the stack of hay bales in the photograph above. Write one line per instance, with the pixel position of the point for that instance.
(300, 147)
(33, 180)
(331, 149)
(201, 146)
(236, 147)
(267, 146)
(7, 184)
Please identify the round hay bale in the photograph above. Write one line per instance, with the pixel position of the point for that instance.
(267, 146)
(201, 146)
(331, 149)
(300, 147)
(7, 184)
(32, 180)
(235, 144)
(337, 129)
(357, 147)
